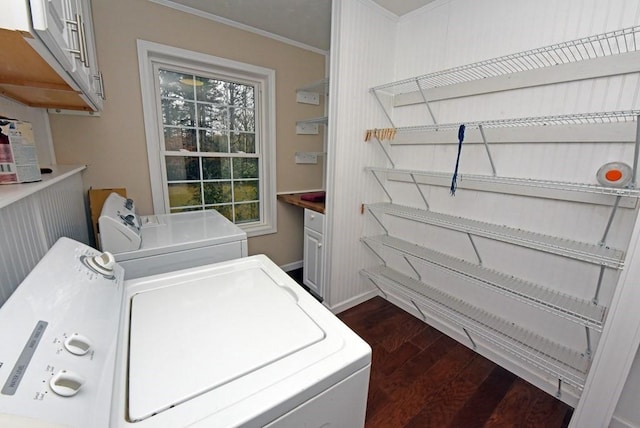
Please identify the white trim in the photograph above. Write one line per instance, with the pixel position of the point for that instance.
(292, 266)
(235, 24)
(150, 52)
(354, 301)
(617, 422)
(617, 348)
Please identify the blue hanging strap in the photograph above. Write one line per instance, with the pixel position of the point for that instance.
(454, 179)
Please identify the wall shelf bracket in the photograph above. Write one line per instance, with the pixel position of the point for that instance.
(486, 147)
(385, 151)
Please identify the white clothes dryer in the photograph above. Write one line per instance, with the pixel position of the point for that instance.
(147, 245)
(233, 344)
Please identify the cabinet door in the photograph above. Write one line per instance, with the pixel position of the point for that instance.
(313, 257)
(54, 23)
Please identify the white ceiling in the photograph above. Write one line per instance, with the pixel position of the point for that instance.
(304, 21)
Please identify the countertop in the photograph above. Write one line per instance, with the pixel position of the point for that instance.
(10, 193)
(294, 199)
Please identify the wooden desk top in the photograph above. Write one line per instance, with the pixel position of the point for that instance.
(294, 199)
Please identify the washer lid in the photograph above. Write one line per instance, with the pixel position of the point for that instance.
(191, 337)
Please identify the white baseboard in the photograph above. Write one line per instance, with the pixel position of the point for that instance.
(343, 306)
(292, 266)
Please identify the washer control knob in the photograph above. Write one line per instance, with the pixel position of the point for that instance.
(102, 263)
(66, 383)
(77, 344)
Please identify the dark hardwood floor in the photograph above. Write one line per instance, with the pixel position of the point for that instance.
(421, 378)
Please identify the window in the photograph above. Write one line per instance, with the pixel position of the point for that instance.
(209, 123)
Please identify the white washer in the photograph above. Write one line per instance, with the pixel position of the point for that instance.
(147, 245)
(233, 344)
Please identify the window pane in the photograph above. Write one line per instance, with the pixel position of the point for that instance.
(241, 95)
(176, 85)
(246, 190)
(225, 210)
(182, 168)
(241, 119)
(217, 193)
(216, 168)
(210, 116)
(247, 212)
(212, 141)
(178, 112)
(184, 194)
(213, 91)
(245, 168)
(242, 143)
(176, 139)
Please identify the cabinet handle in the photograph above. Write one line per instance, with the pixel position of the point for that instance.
(319, 245)
(100, 80)
(83, 41)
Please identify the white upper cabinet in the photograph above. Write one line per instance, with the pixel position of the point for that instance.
(57, 66)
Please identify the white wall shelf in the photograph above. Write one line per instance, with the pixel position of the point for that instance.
(601, 55)
(580, 311)
(561, 362)
(577, 192)
(601, 255)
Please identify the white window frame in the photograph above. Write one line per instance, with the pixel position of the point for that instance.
(150, 55)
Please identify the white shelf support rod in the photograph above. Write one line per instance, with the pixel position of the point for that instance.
(559, 392)
(426, 102)
(475, 249)
(424, 199)
(384, 262)
(375, 217)
(469, 336)
(634, 174)
(382, 185)
(613, 213)
(406, 259)
(386, 113)
(424, 317)
(379, 289)
(384, 150)
(597, 293)
(486, 147)
(588, 350)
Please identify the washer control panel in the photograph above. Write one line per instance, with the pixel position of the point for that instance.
(59, 336)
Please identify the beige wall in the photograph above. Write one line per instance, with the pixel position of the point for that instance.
(114, 145)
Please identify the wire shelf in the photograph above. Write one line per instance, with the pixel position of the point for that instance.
(592, 47)
(566, 119)
(552, 358)
(510, 184)
(577, 310)
(591, 253)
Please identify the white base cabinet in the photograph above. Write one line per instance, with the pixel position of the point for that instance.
(313, 251)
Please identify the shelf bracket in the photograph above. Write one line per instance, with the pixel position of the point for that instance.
(587, 352)
(426, 102)
(424, 318)
(469, 336)
(413, 268)
(634, 175)
(597, 293)
(384, 150)
(384, 262)
(375, 217)
(486, 147)
(382, 185)
(613, 213)
(386, 113)
(473, 244)
(378, 287)
(424, 199)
